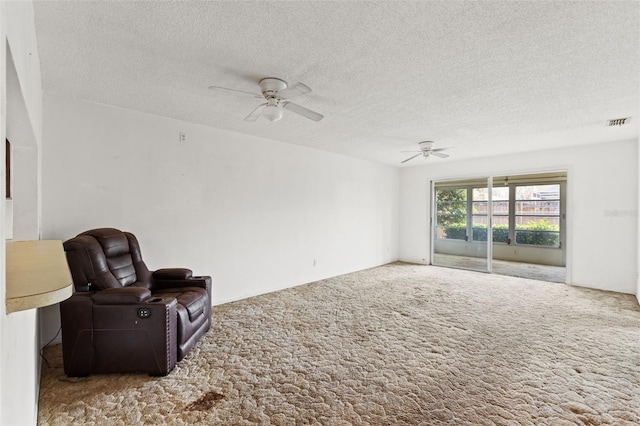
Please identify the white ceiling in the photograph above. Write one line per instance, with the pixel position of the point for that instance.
(484, 77)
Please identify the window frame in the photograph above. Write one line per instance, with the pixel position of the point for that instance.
(559, 215)
(511, 214)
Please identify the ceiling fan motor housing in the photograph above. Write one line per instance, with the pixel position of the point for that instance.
(271, 86)
(425, 145)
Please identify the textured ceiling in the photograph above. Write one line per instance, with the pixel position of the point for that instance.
(483, 77)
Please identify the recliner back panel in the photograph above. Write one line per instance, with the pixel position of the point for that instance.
(122, 268)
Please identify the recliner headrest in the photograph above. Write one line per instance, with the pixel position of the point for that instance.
(113, 241)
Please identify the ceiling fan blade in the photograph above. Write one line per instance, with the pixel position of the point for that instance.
(311, 115)
(435, 152)
(295, 90)
(439, 149)
(255, 95)
(256, 113)
(411, 158)
(412, 151)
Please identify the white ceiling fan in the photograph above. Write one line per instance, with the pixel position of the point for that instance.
(277, 94)
(426, 150)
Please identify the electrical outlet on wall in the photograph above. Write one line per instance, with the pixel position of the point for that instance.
(183, 137)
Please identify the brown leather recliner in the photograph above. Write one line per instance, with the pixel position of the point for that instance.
(124, 318)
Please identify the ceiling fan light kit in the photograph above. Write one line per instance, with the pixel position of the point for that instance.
(272, 112)
(276, 92)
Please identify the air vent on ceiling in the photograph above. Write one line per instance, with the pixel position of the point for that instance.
(617, 121)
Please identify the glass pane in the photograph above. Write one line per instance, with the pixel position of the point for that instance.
(538, 207)
(479, 207)
(501, 208)
(538, 192)
(538, 230)
(500, 228)
(479, 194)
(544, 223)
(500, 196)
(500, 193)
(500, 233)
(479, 223)
(451, 218)
(500, 201)
(452, 232)
(477, 247)
(538, 215)
(479, 227)
(538, 238)
(461, 227)
(499, 220)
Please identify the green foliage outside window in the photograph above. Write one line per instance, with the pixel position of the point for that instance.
(458, 231)
(500, 233)
(451, 206)
(537, 233)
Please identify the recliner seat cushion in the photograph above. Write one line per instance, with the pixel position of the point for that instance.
(194, 299)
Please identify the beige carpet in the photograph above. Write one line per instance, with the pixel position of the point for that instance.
(556, 274)
(398, 344)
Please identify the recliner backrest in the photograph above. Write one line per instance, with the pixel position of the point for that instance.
(106, 258)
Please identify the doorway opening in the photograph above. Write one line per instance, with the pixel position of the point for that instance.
(512, 225)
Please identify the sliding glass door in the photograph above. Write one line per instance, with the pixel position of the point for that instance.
(504, 219)
(461, 224)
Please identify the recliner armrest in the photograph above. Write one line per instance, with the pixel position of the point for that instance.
(121, 296)
(172, 274)
(198, 281)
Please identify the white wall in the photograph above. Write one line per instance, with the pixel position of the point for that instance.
(21, 119)
(602, 203)
(251, 212)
